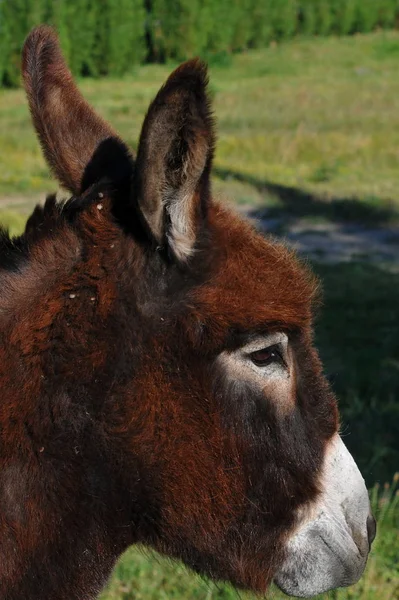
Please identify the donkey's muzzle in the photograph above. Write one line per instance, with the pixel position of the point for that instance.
(330, 546)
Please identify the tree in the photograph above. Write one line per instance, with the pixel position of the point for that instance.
(56, 14)
(177, 29)
(345, 12)
(242, 24)
(16, 17)
(284, 15)
(388, 11)
(366, 15)
(4, 42)
(262, 24)
(126, 34)
(325, 17)
(308, 17)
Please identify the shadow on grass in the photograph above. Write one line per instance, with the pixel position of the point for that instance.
(357, 333)
(295, 202)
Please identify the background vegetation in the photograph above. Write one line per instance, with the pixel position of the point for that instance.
(109, 36)
(320, 115)
(308, 132)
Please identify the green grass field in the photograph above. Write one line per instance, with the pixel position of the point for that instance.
(309, 128)
(319, 115)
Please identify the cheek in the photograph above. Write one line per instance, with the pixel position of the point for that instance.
(203, 493)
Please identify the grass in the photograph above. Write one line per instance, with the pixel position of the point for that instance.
(12, 220)
(318, 115)
(311, 129)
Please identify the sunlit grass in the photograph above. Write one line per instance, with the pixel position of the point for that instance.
(13, 221)
(321, 115)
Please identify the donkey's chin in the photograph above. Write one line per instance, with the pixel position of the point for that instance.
(319, 561)
(330, 546)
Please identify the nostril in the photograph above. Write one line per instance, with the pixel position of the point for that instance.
(371, 529)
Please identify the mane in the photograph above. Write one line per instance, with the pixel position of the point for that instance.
(43, 224)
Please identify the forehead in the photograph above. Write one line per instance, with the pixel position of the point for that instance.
(255, 283)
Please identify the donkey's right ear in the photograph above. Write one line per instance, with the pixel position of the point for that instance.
(79, 146)
(172, 173)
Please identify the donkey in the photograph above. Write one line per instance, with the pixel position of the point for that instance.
(159, 385)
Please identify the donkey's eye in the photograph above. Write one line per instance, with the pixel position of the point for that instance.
(266, 356)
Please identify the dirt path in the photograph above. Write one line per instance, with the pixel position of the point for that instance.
(23, 204)
(336, 241)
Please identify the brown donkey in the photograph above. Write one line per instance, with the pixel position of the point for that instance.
(158, 380)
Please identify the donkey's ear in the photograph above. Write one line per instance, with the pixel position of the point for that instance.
(171, 183)
(79, 146)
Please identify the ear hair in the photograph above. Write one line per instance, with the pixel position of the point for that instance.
(172, 175)
(79, 146)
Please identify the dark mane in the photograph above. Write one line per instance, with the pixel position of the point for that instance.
(14, 250)
(44, 223)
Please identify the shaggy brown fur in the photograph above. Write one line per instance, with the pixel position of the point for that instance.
(117, 424)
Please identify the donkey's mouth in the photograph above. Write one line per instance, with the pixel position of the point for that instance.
(317, 563)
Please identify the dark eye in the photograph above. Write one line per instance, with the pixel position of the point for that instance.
(266, 356)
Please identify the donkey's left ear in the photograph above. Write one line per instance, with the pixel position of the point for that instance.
(172, 175)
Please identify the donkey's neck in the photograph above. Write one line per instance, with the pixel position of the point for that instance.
(64, 501)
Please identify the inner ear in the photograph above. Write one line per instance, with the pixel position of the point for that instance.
(172, 175)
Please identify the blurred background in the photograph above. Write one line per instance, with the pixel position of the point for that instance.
(306, 94)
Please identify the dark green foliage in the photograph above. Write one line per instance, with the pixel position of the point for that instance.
(222, 25)
(4, 41)
(325, 17)
(317, 16)
(107, 37)
(242, 24)
(100, 49)
(116, 38)
(388, 12)
(127, 20)
(176, 28)
(98, 37)
(56, 14)
(17, 17)
(262, 26)
(284, 15)
(367, 15)
(78, 34)
(345, 16)
(308, 17)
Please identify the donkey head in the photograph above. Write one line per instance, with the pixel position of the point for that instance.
(193, 344)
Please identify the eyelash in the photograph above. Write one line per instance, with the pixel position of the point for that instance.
(271, 355)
